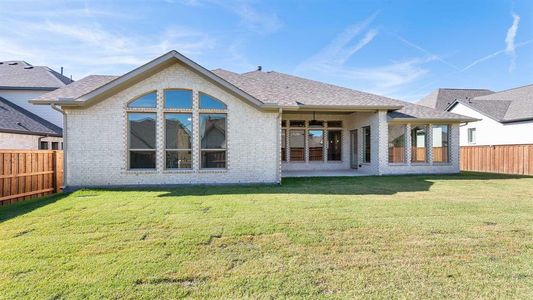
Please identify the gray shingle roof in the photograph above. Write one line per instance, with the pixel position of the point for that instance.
(441, 98)
(16, 119)
(506, 106)
(77, 88)
(22, 75)
(284, 89)
(277, 89)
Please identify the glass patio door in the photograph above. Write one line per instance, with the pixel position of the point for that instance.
(354, 155)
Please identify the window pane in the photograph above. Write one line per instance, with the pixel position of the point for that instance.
(316, 145)
(334, 145)
(208, 102)
(55, 145)
(178, 98)
(142, 130)
(178, 131)
(179, 160)
(297, 123)
(43, 145)
(316, 124)
(284, 145)
(418, 143)
(440, 143)
(396, 143)
(147, 101)
(297, 144)
(283, 123)
(367, 142)
(471, 135)
(335, 124)
(213, 131)
(142, 159)
(213, 159)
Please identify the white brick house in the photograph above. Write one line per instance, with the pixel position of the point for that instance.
(171, 121)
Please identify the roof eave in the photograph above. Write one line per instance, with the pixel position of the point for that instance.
(432, 120)
(14, 131)
(29, 88)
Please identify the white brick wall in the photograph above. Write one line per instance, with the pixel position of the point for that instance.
(97, 139)
(25, 141)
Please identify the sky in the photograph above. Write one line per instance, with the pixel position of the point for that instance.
(401, 49)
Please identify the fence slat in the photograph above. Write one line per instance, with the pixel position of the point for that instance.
(28, 174)
(507, 159)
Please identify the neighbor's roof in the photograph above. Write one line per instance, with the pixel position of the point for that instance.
(15, 119)
(22, 75)
(262, 89)
(441, 98)
(506, 106)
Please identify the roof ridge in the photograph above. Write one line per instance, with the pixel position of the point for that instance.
(515, 88)
(464, 89)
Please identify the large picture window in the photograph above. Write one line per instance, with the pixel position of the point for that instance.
(213, 141)
(396, 143)
(419, 144)
(141, 140)
(334, 145)
(440, 143)
(316, 145)
(367, 145)
(178, 141)
(297, 145)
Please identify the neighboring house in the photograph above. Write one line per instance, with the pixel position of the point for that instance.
(505, 117)
(21, 129)
(253, 127)
(21, 82)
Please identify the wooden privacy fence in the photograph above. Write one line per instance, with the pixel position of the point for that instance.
(26, 174)
(507, 159)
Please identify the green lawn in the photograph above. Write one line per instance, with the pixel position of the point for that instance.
(461, 236)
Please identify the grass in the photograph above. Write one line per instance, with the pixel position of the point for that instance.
(456, 236)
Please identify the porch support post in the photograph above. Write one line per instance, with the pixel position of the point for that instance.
(408, 143)
(382, 134)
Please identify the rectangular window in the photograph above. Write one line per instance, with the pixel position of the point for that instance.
(55, 145)
(334, 145)
(316, 124)
(213, 141)
(441, 143)
(316, 145)
(335, 124)
(141, 140)
(178, 141)
(297, 123)
(297, 145)
(471, 135)
(43, 145)
(367, 145)
(284, 145)
(418, 144)
(396, 143)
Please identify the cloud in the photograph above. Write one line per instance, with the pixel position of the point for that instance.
(332, 62)
(510, 41)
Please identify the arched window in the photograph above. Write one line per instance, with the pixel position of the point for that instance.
(181, 99)
(146, 101)
(208, 102)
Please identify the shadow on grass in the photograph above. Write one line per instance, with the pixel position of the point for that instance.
(369, 185)
(363, 185)
(10, 211)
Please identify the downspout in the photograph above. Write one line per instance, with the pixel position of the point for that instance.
(278, 151)
(57, 108)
